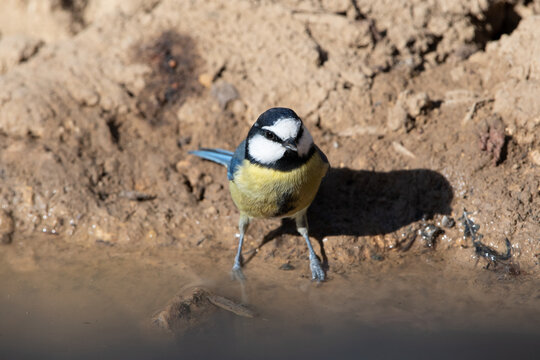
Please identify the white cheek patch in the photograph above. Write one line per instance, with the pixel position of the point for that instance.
(305, 142)
(286, 128)
(265, 151)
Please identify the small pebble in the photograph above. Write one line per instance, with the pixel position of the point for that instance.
(182, 141)
(429, 233)
(535, 157)
(205, 80)
(377, 257)
(287, 266)
(397, 117)
(224, 93)
(448, 222)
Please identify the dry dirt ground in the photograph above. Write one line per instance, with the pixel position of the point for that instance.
(425, 109)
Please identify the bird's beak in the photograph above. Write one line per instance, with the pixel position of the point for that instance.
(290, 145)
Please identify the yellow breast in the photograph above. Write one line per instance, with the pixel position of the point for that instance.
(261, 192)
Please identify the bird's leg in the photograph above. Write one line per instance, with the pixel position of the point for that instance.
(317, 272)
(236, 272)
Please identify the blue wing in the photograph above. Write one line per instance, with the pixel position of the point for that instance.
(219, 156)
(237, 159)
(224, 157)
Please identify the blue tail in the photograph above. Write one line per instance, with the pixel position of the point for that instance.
(219, 156)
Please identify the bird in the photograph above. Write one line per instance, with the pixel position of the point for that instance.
(274, 173)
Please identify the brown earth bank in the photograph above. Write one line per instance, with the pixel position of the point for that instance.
(427, 110)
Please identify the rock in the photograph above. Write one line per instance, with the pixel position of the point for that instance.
(429, 234)
(408, 105)
(492, 138)
(182, 165)
(448, 222)
(205, 80)
(416, 103)
(286, 266)
(224, 93)
(534, 156)
(194, 308)
(397, 116)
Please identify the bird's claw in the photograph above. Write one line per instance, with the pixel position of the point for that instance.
(317, 272)
(237, 274)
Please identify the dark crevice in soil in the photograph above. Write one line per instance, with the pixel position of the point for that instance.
(504, 150)
(376, 35)
(76, 9)
(504, 22)
(322, 53)
(499, 19)
(435, 40)
(33, 53)
(188, 185)
(128, 92)
(219, 73)
(56, 157)
(432, 46)
(323, 56)
(359, 14)
(114, 129)
(200, 196)
(32, 136)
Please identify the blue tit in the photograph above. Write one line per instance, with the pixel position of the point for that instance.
(274, 173)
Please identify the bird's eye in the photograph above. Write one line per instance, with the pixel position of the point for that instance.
(269, 135)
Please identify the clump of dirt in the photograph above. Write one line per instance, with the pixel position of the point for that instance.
(492, 138)
(193, 308)
(185, 311)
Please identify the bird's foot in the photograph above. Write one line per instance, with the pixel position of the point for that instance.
(317, 272)
(237, 274)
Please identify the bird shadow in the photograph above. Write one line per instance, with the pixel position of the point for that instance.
(367, 203)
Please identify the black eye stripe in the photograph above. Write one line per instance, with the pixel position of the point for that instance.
(300, 132)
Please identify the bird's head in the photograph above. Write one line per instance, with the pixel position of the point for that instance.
(278, 139)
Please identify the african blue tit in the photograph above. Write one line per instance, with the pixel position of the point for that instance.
(274, 173)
